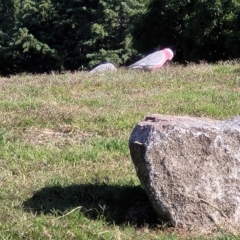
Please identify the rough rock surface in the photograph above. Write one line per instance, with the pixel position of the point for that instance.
(190, 169)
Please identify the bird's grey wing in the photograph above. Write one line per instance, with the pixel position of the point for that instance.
(152, 59)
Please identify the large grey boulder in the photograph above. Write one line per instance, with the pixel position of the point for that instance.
(190, 169)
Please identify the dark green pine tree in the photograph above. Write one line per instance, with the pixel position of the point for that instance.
(111, 39)
(45, 35)
(22, 51)
(7, 16)
(8, 19)
(72, 29)
(64, 27)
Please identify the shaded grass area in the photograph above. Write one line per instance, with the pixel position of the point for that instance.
(65, 168)
(115, 203)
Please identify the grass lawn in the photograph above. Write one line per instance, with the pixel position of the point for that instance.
(65, 168)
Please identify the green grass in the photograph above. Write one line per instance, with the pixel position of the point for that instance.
(65, 168)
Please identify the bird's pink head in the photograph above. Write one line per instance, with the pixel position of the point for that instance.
(170, 53)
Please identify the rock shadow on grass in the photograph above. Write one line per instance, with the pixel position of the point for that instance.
(117, 204)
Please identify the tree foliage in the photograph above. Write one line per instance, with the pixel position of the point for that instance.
(111, 35)
(45, 35)
(198, 30)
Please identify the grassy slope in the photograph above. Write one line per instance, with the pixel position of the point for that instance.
(65, 169)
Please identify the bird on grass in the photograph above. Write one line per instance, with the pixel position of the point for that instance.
(154, 60)
(105, 67)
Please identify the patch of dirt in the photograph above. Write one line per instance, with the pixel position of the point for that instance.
(65, 135)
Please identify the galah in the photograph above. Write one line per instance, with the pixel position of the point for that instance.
(105, 67)
(154, 60)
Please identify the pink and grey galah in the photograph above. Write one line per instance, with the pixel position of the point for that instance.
(154, 60)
